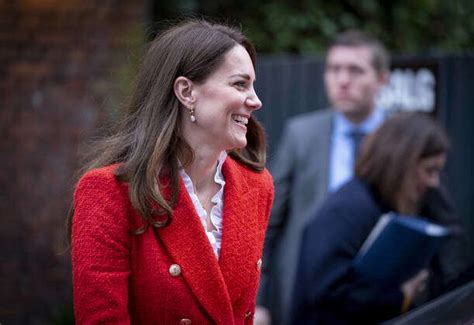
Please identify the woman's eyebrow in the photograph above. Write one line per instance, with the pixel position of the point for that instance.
(243, 75)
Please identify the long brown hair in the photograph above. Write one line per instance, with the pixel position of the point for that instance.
(148, 142)
(389, 156)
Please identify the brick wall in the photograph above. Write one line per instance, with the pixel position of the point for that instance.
(58, 79)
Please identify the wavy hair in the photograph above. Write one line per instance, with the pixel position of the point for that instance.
(148, 143)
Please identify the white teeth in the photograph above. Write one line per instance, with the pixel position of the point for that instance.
(240, 119)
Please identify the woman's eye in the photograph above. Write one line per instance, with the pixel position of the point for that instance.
(240, 84)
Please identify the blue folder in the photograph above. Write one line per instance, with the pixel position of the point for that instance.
(397, 248)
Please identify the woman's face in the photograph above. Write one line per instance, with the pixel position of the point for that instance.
(223, 104)
(427, 173)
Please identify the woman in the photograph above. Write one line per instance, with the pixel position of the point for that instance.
(169, 218)
(398, 170)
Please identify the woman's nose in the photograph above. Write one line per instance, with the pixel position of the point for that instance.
(253, 101)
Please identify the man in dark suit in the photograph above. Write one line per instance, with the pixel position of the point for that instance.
(316, 156)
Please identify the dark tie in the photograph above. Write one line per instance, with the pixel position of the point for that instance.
(357, 136)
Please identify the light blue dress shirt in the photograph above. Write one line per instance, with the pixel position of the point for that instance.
(341, 160)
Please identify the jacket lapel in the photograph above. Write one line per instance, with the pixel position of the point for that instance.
(323, 154)
(189, 247)
(240, 231)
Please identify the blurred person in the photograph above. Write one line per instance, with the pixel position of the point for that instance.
(316, 156)
(169, 218)
(398, 170)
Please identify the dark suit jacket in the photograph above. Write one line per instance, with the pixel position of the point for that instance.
(120, 278)
(326, 289)
(300, 173)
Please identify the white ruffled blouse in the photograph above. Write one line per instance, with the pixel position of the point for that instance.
(215, 235)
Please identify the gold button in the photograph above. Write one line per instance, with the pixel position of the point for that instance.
(259, 264)
(175, 270)
(185, 321)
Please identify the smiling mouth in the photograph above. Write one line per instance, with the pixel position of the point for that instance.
(239, 119)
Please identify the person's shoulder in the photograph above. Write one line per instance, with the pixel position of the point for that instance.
(105, 174)
(355, 188)
(349, 206)
(311, 124)
(99, 178)
(102, 200)
(353, 196)
(254, 177)
(309, 118)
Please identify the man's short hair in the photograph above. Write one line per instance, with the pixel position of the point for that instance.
(355, 38)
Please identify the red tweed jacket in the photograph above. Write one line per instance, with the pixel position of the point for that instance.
(171, 276)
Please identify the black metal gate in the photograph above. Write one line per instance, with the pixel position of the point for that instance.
(289, 85)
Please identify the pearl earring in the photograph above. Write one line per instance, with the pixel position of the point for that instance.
(191, 115)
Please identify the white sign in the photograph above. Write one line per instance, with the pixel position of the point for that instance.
(409, 90)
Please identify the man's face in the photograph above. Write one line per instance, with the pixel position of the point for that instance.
(352, 81)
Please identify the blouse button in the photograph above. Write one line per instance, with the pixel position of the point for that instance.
(185, 321)
(175, 270)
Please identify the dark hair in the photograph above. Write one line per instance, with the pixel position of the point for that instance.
(389, 156)
(148, 142)
(356, 38)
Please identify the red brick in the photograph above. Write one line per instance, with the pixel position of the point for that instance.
(57, 59)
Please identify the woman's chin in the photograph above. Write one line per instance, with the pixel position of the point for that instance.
(239, 143)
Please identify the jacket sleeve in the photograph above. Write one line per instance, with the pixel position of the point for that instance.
(100, 251)
(326, 289)
(281, 169)
(452, 258)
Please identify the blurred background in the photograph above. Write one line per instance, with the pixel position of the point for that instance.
(66, 67)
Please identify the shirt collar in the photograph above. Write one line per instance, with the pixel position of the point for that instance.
(220, 162)
(222, 158)
(342, 125)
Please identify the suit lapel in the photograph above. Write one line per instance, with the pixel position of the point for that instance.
(240, 231)
(189, 247)
(314, 156)
(323, 154)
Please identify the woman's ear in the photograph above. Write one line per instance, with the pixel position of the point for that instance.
(183, 90)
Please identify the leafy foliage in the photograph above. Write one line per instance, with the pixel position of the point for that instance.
(306, 26)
